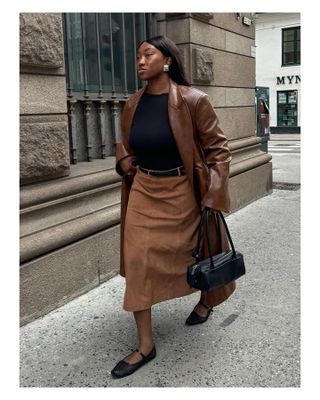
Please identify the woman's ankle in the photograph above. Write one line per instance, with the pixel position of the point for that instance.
(146, 345)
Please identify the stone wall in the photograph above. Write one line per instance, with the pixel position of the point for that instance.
(44, 141)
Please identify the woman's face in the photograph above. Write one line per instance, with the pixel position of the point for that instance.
(150, 61)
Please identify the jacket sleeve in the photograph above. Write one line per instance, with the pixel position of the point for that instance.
(121, 153)
(217, 155)
(121, 150)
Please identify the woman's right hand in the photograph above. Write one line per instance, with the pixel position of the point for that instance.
(128, 165)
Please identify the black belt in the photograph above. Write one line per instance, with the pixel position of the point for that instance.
(168, 172)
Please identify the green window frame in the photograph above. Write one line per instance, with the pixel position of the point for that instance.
(287, 108)
(291, 46)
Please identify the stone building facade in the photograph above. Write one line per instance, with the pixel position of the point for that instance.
(69, 232)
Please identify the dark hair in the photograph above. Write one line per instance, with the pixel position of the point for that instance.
(169, 49)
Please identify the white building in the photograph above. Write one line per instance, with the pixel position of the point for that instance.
(278, 68)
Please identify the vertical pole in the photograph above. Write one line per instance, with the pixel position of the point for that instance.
(73, 130)
(144, 26)
(102, 128)
(84, 57)
(115, 119)
(68, 51)
(87, 108)
(113, 95)
(124, 56)
(100, 95)
(134, 50)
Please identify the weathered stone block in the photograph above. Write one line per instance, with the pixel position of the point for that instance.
(229, 22)
(233, 70)
(229, 97)
(237, 122)
(41, 94)
(250, 186)
(240, 97)
(202, 66)
(41, 40)
(178, 30)
(205, 17)
(44, 151)
(207, 35)
(239, 44)
(50, 281)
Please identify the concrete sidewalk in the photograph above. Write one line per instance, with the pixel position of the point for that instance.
(251, 340)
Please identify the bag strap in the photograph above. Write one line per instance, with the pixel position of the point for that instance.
(196, 251)
(205, 218)
(228, 232)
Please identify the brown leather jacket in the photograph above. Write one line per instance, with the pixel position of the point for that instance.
(198, 136)
(196, 130)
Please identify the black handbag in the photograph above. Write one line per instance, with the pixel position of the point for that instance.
(217, 270)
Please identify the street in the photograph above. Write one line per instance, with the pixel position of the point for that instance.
(251, 340)
(285, 151)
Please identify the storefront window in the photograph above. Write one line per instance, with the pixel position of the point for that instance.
(287, 108)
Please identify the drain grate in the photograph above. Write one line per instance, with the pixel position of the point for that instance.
(285, 186)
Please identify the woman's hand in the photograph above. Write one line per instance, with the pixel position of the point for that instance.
(128, 165)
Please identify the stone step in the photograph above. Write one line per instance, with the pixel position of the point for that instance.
(60, 212)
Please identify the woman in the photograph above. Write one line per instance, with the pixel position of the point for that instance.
(166, 126)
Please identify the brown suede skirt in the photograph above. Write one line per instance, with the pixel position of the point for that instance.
(159, 237)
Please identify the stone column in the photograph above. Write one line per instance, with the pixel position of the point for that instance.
(218, 59)
(44, 142)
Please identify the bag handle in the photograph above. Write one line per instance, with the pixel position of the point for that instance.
(206, 211)
(205, 217)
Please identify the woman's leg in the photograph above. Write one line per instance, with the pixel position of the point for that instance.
(144, 326)
(214, 298)
(200, 309)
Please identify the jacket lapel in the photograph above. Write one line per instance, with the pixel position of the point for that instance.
(182, 127)
(179, 119)
(127, 117)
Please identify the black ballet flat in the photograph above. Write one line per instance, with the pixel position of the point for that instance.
(123, 368)
(195, 318)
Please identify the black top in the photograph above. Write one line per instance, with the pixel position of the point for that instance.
(151, 137)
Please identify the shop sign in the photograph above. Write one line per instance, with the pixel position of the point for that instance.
(282, 80)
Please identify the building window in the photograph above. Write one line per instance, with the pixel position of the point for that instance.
(287, 108)
(100, 53)
(291, 46)
(100, 63)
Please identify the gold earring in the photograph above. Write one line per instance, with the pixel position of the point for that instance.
(166, 67)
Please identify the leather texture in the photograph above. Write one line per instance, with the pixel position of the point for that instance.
(195, 318)
(197, 133)
(123, 369)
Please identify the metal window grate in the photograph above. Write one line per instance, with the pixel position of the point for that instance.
(100, 56)
(100, 52)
